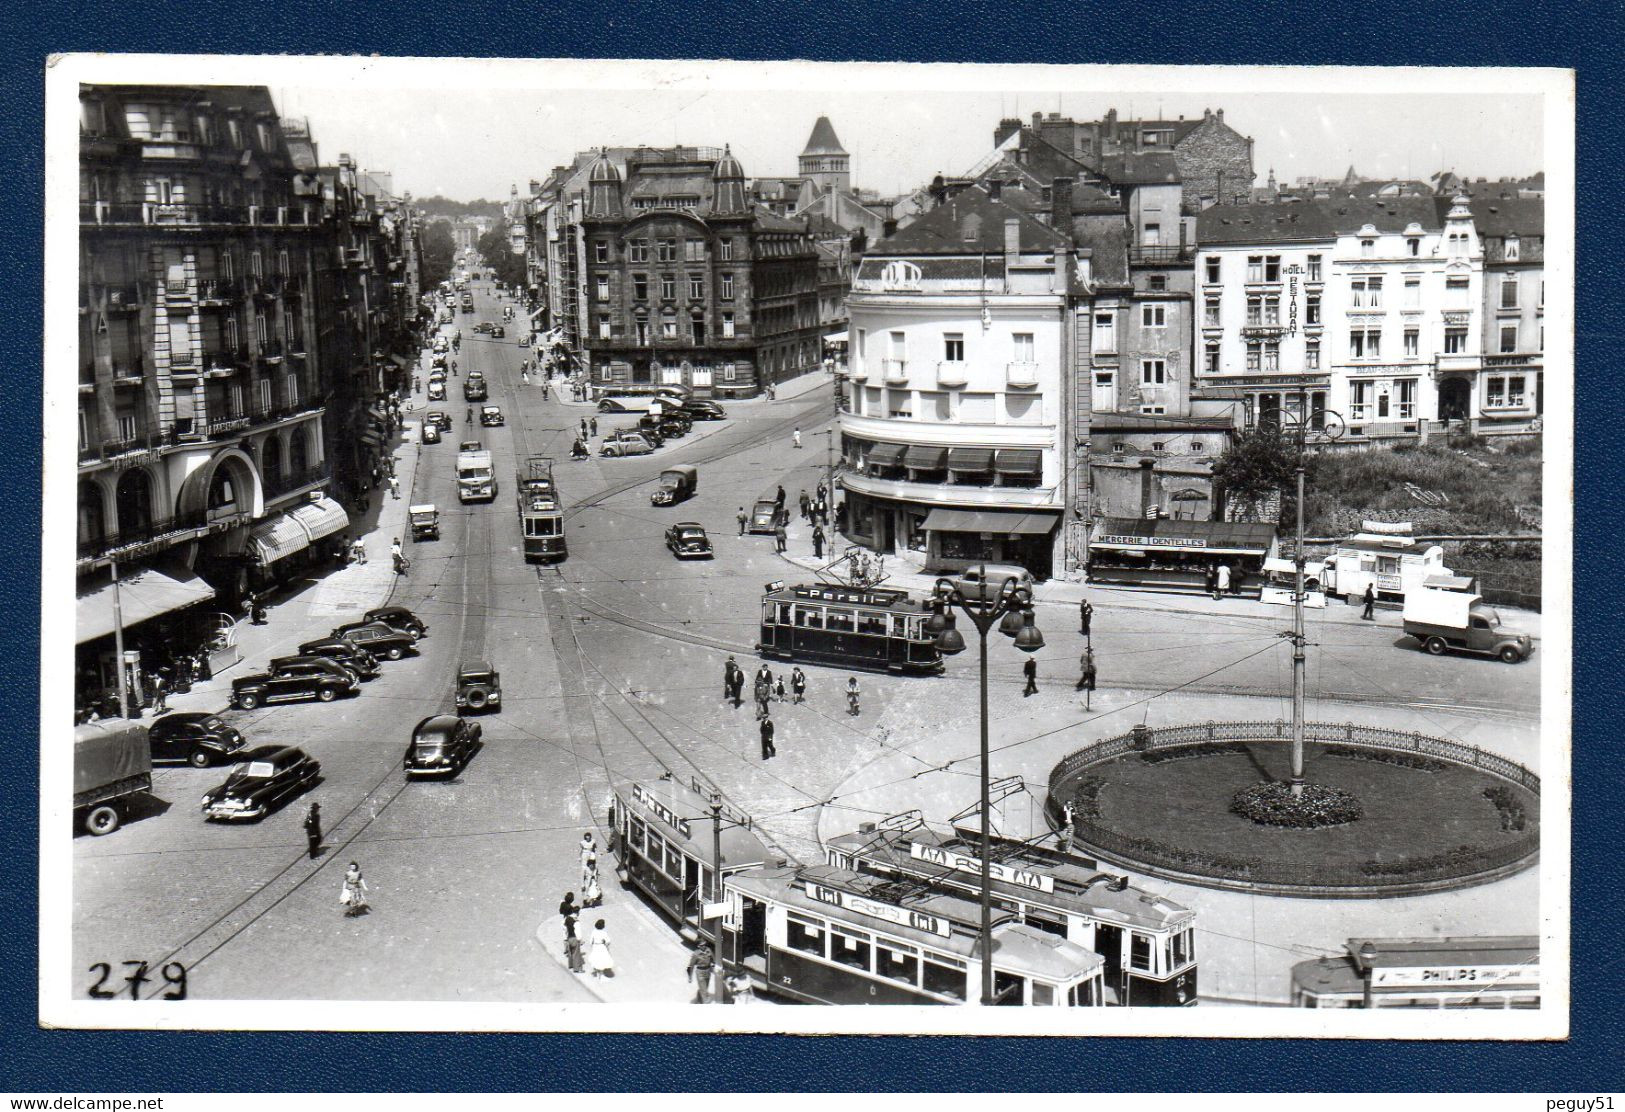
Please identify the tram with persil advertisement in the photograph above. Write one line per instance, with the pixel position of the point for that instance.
(1146, 942)
(853, 627)
(541, 512)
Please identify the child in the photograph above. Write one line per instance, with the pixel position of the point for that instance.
(778, 688)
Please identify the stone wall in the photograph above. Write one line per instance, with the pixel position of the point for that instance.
(1215, 161)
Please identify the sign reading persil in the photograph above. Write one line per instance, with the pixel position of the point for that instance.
(662, 812)
(967, 864)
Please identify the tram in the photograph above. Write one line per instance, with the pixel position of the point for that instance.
(1147, 943)
(541, 511)
(1491, 971)
(854, 627)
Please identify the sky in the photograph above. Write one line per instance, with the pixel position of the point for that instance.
(465, 138)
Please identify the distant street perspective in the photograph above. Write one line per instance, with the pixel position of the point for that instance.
(1103, 576)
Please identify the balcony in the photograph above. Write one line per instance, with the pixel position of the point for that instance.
(219, 291)
(177, 289)
(895, 371)
(129, 373)
(951, 372)
(276, 486)
(92, 547)
(857, 372)
(271, 351)
(1150, 254)
(124, 298)
(162, 214)
(87, 378)
(104, 450)
(1263, 331)
(221, 363)
(1021, 374)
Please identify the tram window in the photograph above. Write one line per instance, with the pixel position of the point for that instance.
(806, 935)
(1044, 923)
(785, 610)
(1184, 948)
(636, 837)
(1139, 956)
(657, 849)
(838, 621)
(899, 625)
(944, 980)
(897, 964)
(810, 617)
(674, 861)
(850, 949)
(871, 623)
(1008, 988)
(1043, 995)
(1081, 996)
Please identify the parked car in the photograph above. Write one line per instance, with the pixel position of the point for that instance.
(626, 405)
(306, 664)
(704, 409)
(490, 415)
(346, 652)
(378, 638)
(198, 738)
(764, 516)
(687, 539)
(479, 686)
(438, 374)
(970, 581)
(437, 391)
(440, 745)
(649, 432)
(441, 344)
(431, 433)
(439, 419)
(276, 686)
(400, 618)
(267, 778)
(625, 442)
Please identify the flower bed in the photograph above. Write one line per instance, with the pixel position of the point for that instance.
(1186, 752)
(1388, 756)
(1513, 815)
(1273, 804)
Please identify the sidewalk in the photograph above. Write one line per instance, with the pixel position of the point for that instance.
(788, 390)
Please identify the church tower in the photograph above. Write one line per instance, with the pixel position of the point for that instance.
(824, 162)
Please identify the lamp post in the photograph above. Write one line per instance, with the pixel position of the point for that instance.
(1012, 608)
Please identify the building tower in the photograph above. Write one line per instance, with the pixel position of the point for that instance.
(729, 199)
(824, 162)
(603, 190)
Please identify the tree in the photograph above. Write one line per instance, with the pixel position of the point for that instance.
(498, 255)
(438, 251)
(1258, 464)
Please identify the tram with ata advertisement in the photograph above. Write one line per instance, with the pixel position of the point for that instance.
(827, 935)
(541, 511)
(876, 628)
(1147, 943)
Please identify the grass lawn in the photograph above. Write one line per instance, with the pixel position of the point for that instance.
(1472, 486)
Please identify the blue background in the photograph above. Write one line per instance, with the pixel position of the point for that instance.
(1571, 35)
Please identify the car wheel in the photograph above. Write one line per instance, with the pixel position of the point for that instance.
(1435, 645)
(325, 694)
(102, 820)
(198, 758)
(1510, 655)
(395, 652)
(248, 700)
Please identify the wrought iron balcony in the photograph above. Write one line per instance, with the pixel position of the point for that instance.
(278, 485)
(129, 372)
(219, 291)
(1156, 253)
(103, 543)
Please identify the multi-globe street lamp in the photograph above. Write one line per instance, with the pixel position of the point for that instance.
(1011, 608)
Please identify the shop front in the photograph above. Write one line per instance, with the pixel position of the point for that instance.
(960, 538)
(153, 609)
(1170, 554)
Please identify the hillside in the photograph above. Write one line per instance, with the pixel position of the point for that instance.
(1468, 487)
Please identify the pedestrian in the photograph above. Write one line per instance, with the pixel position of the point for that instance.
(313, 830)
(743, 519)
(468, 415)
(1085, 613)
(592, 895)
(583, 428)
(1086, 675)
(1030, 670)
(1370, 604)
(395, 550)
(160, 690)
(701, 969)
(1063, 836)
(795, 435)
(571, 915)
(852, 696)
(1213, 582)
(599, 959)
(354, 893)
(778, 499)
(259, 610)
(592, 424)
(588, 851)
(1221, 583)
(806, 506)
(739, 989)
(394, 488)
(818, 542)
(768, 751)
(524, 378)
(798, 684)
(728, 670)
(781, 539)
(778, 688)
(358, 551)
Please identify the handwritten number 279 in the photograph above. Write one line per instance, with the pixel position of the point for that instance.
(174, 975)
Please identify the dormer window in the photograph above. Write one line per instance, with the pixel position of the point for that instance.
(1511, 252)
(1368, 248)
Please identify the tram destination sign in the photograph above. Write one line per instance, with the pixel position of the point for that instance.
(660, 811)
(902, 916)
(964, 863)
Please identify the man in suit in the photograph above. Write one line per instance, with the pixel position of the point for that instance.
(768, 750)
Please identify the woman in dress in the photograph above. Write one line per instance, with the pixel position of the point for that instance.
(599, 959)
(354, 894)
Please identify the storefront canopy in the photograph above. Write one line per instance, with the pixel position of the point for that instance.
(976, 461)
(277, 538)
(142, 594)
(1019, 461)
(835, 338)
(925, 458)
(1218, 537)
(321, 518)
(886, 455)
(1007, 522)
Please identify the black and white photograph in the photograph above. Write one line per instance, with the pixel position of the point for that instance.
(567, 545)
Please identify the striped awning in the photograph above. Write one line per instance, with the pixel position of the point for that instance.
(1019, 461)
(886, 455)
(142, 594)
(977, 461)
(321, 518)
(1007, 522)
(278, 537)
(925, 457)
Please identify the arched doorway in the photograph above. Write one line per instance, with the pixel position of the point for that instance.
(133, 500)
(92, 513)
(223, 495)
(271, 461)
(298, 451)
(1455, 399)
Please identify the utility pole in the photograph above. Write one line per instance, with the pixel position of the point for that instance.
(1297, 610)
(118, 645)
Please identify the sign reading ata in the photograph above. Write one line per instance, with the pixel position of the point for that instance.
(902, 916)
(966, 864)
(662, 812)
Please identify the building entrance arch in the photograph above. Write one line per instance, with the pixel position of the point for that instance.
(225, 485)
(1455, 399)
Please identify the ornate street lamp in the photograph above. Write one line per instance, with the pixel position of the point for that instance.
(1011, 607)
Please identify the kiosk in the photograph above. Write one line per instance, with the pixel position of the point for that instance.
(1173, 555)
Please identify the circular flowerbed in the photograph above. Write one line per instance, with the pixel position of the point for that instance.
(1273, 804)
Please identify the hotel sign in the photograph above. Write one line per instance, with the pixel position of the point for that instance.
(902, 916)
(660, 811)
(964, 863)
(1292, 298)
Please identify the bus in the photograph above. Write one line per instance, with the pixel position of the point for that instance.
(1489, 971)
(854, 627)
(541, 511)
(1147, 943)
(476, 478)
(823, 935)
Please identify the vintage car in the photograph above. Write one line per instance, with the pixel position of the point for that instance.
(267, 778)
(346, 652)
(437, 391)
(198, 738)
(306, 664)
(471, 446)
(677, 484)
(496, 332)
(438, 418)
(764, 516)
(704, 409)
(430, 433)
(399, 617)
(490, 415)
(474, 388)
(985, 581)
(479, 686)
(292, 684)
(440, 745)
(425, 521)
(438, 374)
(441, 344)
(378, 638)
(483, 327)
(627, 404)
(687, 539)
(626, 442)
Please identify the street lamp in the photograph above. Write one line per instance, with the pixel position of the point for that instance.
(1012, 608)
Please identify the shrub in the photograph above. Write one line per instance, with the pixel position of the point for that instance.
(1086, 798)
(1201, 749)
(1387, 756)
(1513, 816)
(1272, 803)
(1449, 861)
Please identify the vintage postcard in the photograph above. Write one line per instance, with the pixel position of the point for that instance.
(587, 545)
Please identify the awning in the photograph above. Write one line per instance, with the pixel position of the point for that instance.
(977, 461)
(278, 537)
(143, 594)
(321, 518)
(835, 338)
(886, 455)
(1007, 522)
(1167, 534)
(400, 361)
(925, 457)
(1019, 461)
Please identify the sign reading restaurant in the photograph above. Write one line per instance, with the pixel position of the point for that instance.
(964, 863)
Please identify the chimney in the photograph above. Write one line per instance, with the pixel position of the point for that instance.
(1148, 487)
(1060, 200)
(1007, 127)
(1012, 245)
(888, 228)
(1063, 259)
(995, 189)
(1207, 115)
(1038, 118)
(1219, 115)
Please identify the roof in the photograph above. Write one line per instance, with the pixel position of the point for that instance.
(1181, 128)
(435, 724)
(823, 140)
(659, 802)
(1142, 168)
(1503, 216)
(475, 666)
(1321, 219)
(969, 223)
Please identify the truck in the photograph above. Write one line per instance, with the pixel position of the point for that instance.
(476, 478)
(111, 763)
(1445, 614)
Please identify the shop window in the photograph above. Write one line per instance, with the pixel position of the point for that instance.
(1406, 391)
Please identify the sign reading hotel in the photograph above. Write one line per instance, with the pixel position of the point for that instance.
(967, 864)
(1475, 976)
(902, 916)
